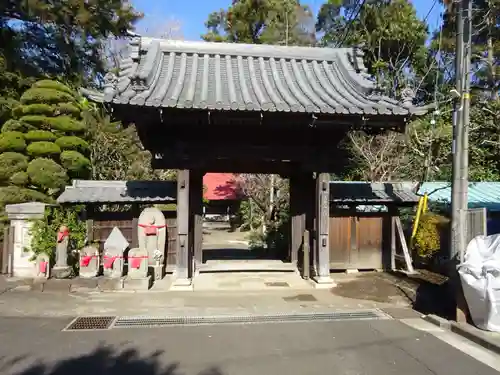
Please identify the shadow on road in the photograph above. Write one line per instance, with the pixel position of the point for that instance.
(104, 360)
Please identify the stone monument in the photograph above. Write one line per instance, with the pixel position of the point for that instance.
(89, 262)
(138, 266)
(61, 269)
(42, 264)
(114, 247)
(21, 218)
(152, 234)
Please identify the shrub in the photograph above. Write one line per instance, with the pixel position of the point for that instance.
(47, 174)
(427, 241)
(12, 141)
(40, 136)
(16, 126)
(33, 109)
(72, 143)
(16, 194)
(75, 162)
(46, 96)
(11, 163)
(44, 231)
(37, 149)
(20, 179)
(54, 85)
(61, 123)
(67, 109)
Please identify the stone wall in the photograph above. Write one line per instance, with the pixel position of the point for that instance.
(21, 216)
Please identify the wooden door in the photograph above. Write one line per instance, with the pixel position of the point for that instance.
(356, 242)
(340, 241)
(368, 243)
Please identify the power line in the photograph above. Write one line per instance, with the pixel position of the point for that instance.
(351, 21)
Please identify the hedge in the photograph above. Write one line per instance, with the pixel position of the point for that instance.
(47, 174)
(12, 141)
(43, 148)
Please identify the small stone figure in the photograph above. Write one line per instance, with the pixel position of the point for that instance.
(61, 269)
(62, 247)
(89, 262)
(42, 266)
(114, 248)
(112, 261)
(152, 233)
(137, 278)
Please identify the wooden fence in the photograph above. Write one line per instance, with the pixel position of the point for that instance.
(476, 223)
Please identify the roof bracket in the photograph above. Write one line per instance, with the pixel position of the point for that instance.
(312, 124)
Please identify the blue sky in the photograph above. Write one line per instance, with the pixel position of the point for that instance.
(189, 16)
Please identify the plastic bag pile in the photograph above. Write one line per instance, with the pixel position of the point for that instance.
(480, 277)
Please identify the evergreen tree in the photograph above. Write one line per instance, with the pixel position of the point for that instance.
(44, 145)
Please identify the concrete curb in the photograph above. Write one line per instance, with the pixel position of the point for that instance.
(466, 331)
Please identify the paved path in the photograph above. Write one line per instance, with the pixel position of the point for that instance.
(37, 346)
(57, 304)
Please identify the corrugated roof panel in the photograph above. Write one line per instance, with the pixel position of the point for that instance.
(376, 192)
(480, 194)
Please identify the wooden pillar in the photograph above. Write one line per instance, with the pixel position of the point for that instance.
(196, 218)
(322, 255)
(183, 267)
(297, 214)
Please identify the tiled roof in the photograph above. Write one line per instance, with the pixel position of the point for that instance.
(83, 191)
(480, 194)
(230, 76)
(372, 193)
(220, 186)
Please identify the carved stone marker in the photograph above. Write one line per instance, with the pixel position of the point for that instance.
(42, 264)
(152, 233)
(61, 269)
(138, 265)
(89, 262)
(114, 247)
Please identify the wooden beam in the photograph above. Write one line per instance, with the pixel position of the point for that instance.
(322, 228)
(183, 267)
(402, 239)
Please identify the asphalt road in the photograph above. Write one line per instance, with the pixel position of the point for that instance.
(32, 346)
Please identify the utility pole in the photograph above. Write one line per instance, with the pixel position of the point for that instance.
(457, 237)
(464, 173)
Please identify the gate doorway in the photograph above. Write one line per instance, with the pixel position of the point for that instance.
(237, 233)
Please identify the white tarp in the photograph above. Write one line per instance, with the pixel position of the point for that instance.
(480, 276)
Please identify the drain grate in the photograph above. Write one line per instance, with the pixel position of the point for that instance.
(148, 322)
(91, 323)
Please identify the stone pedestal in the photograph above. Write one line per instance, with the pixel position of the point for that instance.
(61, 272)
(109, 283)
(182, 284)
(158, 272)
(323, 282)
(21, 216)
(143, 283)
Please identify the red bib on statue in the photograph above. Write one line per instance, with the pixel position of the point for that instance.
(150, 231)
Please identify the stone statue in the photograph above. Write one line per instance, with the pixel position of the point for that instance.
(62, 247)
(42, 264)
(114, 248)
(61, 269)
(89, 262)
(138, 278)
(152, 234)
